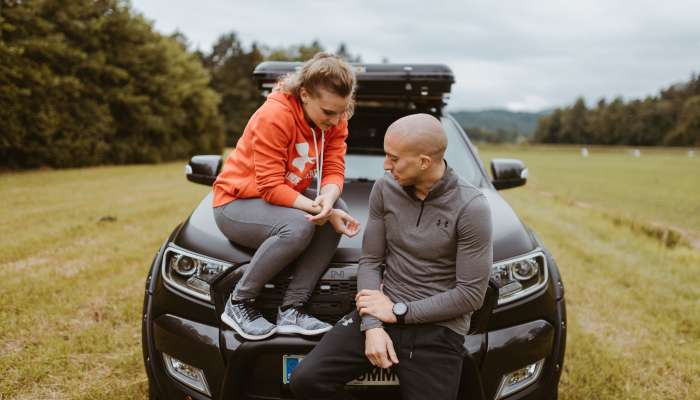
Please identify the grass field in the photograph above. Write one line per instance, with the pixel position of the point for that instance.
(75, 246)
(633, 302)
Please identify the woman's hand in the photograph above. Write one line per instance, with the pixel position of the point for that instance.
(322, 208)
(325, 202)
(343, 223)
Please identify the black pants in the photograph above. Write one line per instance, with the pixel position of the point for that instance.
(430, 361)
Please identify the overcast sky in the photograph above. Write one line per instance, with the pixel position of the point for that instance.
(505, 54)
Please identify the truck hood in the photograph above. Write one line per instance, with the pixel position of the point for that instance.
(201, 235)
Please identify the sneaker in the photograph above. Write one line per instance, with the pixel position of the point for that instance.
(295, 320)
(246, 320)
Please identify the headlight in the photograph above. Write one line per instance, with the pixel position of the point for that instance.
(191, 273)
(518, 277)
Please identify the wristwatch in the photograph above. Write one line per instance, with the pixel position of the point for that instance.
(400, 310)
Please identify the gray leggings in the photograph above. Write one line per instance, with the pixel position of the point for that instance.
(281, 235)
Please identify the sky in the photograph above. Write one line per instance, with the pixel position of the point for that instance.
(521, 56)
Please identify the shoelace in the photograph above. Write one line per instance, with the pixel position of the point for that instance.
(300, 314)
(249, 312)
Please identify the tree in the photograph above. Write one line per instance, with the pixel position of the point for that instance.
(671, 118)
(89, 82)
(343, 53)
(687, 130)
(574, 127)
(231, 68)
(293, 53)
(549, 128)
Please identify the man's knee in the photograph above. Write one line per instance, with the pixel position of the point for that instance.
(302, 381)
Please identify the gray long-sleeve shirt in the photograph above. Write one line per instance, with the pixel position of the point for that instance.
(438, 252)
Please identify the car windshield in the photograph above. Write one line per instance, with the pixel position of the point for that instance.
(365, 156)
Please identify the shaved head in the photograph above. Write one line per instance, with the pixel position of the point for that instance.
(414, 147)
(420, 134)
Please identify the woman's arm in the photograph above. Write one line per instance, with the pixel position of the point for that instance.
(270, 143)
(306, 204)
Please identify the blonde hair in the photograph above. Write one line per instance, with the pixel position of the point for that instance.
(322, 71)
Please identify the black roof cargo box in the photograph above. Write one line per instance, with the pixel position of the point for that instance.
(380, 85)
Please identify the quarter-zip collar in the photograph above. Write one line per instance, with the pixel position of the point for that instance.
(442, 186)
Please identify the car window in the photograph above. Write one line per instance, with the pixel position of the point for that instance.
(458, 156)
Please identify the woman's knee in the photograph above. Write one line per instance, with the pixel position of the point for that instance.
(297, 229)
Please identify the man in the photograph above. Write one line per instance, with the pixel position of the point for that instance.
(432, 230)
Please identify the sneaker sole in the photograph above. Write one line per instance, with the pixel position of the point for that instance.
(230, 322)
(290, 329)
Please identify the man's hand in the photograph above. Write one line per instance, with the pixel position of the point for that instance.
(376, 304)
(343, 223)
(379, 348)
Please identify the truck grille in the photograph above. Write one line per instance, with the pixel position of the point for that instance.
(330, 301)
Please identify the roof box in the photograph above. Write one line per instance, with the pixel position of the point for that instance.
(413, 86)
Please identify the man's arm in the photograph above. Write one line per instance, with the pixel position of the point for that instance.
(379, 349)
(369, 273)
(473, 266)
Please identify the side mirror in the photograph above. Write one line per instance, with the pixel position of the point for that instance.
(508, 173)
(203, 169)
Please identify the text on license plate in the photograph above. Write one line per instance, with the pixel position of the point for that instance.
(374, 377)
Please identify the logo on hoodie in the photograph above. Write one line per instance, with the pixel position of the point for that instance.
(300, 163)
(303, 159)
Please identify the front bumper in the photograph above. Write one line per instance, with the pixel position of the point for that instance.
(237, 369)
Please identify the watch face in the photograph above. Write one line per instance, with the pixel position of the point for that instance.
(400, 308)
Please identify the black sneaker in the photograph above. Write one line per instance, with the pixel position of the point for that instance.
(295, 320)
(246, 320)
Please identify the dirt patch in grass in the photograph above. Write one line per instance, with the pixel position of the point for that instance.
(669, 236)
(29, 262)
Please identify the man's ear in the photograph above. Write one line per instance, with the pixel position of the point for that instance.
(425, 162)
(304, 94)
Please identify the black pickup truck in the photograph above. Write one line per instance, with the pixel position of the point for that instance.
(515, 349)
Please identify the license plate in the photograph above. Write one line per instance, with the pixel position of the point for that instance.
(374, 377)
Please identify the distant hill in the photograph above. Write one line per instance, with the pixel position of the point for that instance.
(497, 120)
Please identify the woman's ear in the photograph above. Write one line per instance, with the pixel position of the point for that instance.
(304, 94)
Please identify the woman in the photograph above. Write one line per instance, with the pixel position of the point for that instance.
(261, 198)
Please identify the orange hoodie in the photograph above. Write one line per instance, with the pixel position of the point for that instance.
(275, 158)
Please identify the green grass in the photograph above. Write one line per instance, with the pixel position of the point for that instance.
(632, 301)
(72, 278)
(75, 246)
(661, 187)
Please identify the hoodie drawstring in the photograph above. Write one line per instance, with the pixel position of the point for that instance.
(319, 159)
